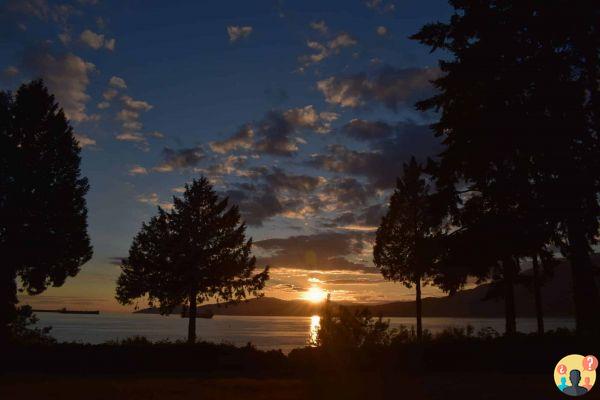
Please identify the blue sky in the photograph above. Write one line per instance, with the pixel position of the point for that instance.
(301, 111)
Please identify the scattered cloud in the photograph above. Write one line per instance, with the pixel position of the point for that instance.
(242, 139)
(380, 6)
(319, 26)
(67, 77)
(42, 10)
(363, 130)
(117, 82)
(103, 105)
(156, 135)
(10, 72)
(109, 44)
(64, 37)
(238, 32)
(321, 51)
(277, 132)
(137, 170)
(137, 105)
(131, 137)
(154, 200)
(84, 140)
(389, 86)
(322, 251)
(174, 160)
(129, 116)
(96, 41)
(110, 94)
(408, 139)
(382, 30)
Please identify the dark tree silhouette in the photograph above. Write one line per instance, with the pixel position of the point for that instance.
(43, 215)
(404, 248)
(518, 104)
(542, 268)
(193, 253)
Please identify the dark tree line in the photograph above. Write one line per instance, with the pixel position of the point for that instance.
(518, 102)
(43, 215)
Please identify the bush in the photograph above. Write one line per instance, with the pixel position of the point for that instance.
(22, 332)
(352, 330)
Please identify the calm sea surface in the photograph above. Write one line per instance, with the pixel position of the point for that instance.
(285, 333)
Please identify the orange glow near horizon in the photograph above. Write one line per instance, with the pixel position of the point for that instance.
(314, 294)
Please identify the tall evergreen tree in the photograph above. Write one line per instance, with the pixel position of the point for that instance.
(404, 248)
(43, 215)
(518, 119)
(196, 252)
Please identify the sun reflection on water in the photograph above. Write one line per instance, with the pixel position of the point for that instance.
(315, 323)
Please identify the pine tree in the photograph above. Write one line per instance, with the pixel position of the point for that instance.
(404, 248)
(193, 253)
(43, 215)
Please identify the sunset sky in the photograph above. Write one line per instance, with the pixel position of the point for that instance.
(301, 111)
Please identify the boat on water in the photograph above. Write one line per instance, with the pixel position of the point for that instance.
(65, 311)
(206, 314)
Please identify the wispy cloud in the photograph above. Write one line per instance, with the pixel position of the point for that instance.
(236, 33)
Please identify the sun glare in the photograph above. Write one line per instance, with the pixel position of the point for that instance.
(314, 294)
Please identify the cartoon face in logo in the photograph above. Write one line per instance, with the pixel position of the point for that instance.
(575, 374)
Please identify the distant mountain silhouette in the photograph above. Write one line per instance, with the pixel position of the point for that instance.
(556, 296)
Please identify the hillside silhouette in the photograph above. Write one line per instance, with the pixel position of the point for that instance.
(556, 292)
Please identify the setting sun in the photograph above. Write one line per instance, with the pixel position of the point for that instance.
(314, 294)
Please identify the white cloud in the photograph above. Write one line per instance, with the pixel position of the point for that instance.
(109, 44)
(382, 30)
(117, 82)
(127, 115)
(238, 32)
(96, 40)
(131, 137)
(319, 26)
(103, 105)
(340, 41)
(137, 170)
(389, 86)
(10, 71)
(322, 51)
(84, 140)
(154, 200)
(156, 134)
(110, 94)
(64, 37)
(67, 77)
(138, 105)
(242, 139)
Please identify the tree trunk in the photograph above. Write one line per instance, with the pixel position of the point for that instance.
(192, 317)
(509, 268)
(419, 311)
(538, 296)
(8, 301)
(585, 291)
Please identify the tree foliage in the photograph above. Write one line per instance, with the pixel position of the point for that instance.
(193, 253)
(518, 101)
(405, 245)
(43, 214)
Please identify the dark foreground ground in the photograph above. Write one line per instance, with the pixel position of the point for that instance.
(433, 386)
(454, 366)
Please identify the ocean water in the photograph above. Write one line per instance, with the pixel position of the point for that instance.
(285, 333)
